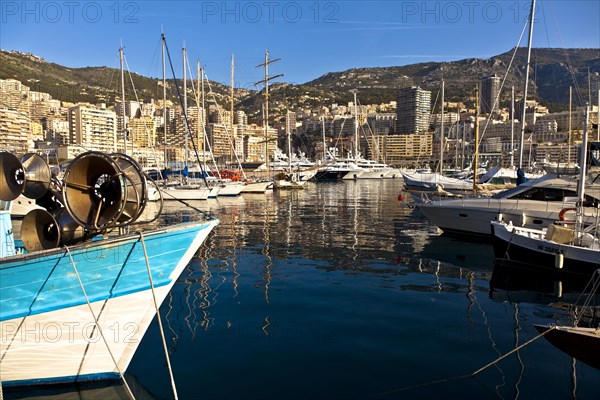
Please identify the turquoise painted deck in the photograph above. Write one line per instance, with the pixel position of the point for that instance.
(31, 286)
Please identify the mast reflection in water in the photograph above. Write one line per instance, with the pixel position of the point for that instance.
(340, 291)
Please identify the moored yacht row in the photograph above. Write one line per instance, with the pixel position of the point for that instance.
(552, 222)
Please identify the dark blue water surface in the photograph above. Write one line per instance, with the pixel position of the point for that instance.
(340, 291)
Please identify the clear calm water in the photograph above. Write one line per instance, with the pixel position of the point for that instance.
(340, 291)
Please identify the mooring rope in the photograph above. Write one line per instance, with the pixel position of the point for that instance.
(472, 374)
(128, 389)
(162, 332)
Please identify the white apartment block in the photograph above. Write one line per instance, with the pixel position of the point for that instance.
(93, 128)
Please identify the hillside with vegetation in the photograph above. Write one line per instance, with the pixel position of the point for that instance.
(553, 72)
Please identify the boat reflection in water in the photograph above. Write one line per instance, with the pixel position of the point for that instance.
(573, 326)
(520, 282)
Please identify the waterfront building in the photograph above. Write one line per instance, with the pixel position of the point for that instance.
(13, 94)
(490, 88)
(93, 128)
(197, 120)
(241, 118)
(37, 131)
(343, 126)
(413, 110)
(56, 130)
(382, 123)
(557, 152)
(577, 118)
(142, 131)
(148, 109)
(254, 143)
(224, 141)
(546, 131)
(399, 149)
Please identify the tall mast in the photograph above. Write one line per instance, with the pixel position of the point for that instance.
(231, 116)
(289, 140)
(123, 100)
(204, 138)
(266, 120)
(569, 136)
(355, 125)
(266, 102)
(531, 18)
(442, 134)
(165, 123)
(456, 142)
(186, 152)
(324, 149)
(589, 88)
(598, 118)
(582, 172)
(462, 149)
(512, 127)
(476, 158)
(200, 109)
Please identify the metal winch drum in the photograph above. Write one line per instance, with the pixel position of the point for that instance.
(98, 192)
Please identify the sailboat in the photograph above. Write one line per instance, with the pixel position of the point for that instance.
(181, 190)
(79, 293)
(249, 186)
(289, 179)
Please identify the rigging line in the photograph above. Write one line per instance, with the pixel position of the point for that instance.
(548, 44)
(204, 117)
(595, 283)
(187, 124)
(113, 71)
(154, 63)
(87, 300)
(374, 149)
(186, 203)
(160, 325)
(496, 100)
(138, 101)
(570, 67)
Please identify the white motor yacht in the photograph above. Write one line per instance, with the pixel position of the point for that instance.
(533, 204)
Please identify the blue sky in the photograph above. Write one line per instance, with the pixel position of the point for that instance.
(311, 37)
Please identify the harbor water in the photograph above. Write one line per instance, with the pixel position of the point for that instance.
(341, 291)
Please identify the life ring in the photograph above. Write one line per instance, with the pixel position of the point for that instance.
(561, 214)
